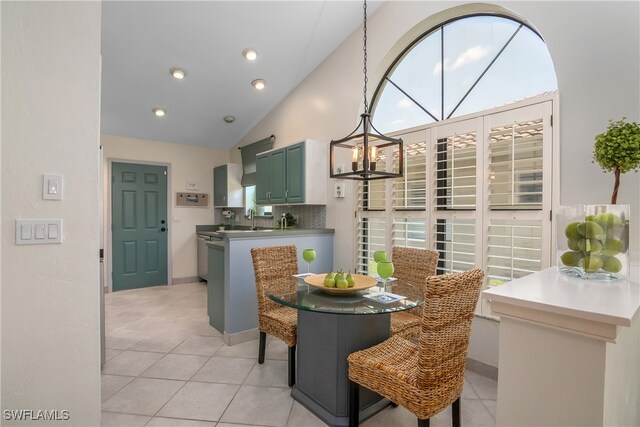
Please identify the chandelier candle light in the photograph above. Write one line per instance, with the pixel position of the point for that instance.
(364, 146)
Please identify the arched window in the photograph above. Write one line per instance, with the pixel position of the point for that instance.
(463, 66)
(478, 188)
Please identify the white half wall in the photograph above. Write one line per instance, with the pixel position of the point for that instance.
(50, 293)
(594, 46)
(186, 163)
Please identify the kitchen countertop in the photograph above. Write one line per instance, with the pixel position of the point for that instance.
(266, 233)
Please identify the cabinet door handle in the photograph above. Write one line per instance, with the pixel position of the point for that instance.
(224, 198)
(286, 194)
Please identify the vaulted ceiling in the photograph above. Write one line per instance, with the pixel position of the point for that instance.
(142, 41)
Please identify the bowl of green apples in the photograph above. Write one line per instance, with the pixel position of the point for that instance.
(593, 241)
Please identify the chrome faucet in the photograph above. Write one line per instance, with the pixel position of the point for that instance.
(283, 221)
(252, 217)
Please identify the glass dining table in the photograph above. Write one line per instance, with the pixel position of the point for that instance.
(332, 326)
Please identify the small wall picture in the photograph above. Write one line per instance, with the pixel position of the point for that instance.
(192, 186)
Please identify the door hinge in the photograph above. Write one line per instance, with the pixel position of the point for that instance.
(551, 120)
(550, 215)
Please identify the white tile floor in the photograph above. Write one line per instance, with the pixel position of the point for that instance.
(167, 367)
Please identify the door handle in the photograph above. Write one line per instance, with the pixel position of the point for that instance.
(286, 194)
(163, 229)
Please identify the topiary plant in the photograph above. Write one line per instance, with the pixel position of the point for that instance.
(618, 150)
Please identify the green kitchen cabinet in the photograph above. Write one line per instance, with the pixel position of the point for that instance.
(295, 173)
(262, 178)
(284, 175)
(278, 176)
(271, 177)
(227, 190)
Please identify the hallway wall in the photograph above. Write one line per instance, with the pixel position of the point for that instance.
(50, 293)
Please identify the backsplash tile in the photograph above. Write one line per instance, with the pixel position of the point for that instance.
(308, 216)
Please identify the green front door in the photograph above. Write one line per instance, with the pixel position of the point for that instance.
(139, 225)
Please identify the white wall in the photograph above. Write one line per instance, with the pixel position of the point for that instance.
(186, 163)
(594, 46)
(50, 124)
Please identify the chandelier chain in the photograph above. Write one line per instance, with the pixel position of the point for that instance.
(364, 48)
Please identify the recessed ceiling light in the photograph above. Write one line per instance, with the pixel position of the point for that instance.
(250, 54)
(158, 112)
(259, 84)
(178, 73)
(229, 119)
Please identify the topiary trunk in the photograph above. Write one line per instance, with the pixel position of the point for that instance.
(616, 185)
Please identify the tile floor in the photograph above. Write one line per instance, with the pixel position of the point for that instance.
(167, 367)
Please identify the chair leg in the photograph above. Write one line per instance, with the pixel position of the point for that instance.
(263, 343)
(292, 365)
(354, 404)
(455, 413)
(423, 423)
(393, 405)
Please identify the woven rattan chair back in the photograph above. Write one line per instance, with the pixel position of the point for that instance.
(273, 267)
(412, 266)
(450, 301)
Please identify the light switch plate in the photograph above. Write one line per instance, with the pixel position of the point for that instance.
(52, 186)
(38, 231)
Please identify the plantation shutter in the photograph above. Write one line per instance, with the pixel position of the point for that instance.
(516, 165)
(410, 190)
(519, 196)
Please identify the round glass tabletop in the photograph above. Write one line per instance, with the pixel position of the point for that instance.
(373, 300)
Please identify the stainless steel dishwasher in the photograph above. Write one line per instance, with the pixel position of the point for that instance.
(203, 258)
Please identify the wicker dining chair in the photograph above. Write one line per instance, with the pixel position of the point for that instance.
(427, 376)
(273, 267)
(412, 267)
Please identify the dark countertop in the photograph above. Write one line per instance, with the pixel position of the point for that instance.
(266, 233)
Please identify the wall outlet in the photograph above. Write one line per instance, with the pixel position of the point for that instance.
(338, 190)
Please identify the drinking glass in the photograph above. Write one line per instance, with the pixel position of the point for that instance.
(309, 255)
(385, 270)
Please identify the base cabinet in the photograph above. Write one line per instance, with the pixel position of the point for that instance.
(215, 287)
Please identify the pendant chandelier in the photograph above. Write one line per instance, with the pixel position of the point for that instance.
(365, 147)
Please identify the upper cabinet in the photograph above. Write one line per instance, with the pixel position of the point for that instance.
(227, 191)
(293, 174)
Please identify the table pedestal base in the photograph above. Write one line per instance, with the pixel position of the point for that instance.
(324, 342)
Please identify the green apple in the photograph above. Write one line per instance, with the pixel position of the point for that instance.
(591, 230)
(590, 246)
(608, 220)
(571, 259)
(612, 247)
(573, 245)
(572, 231)
(612, 264)
(591, 263)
